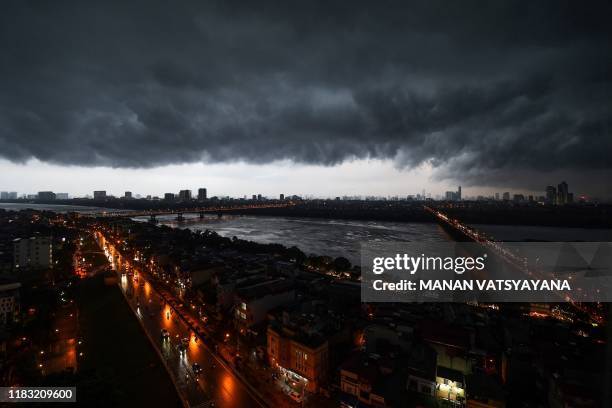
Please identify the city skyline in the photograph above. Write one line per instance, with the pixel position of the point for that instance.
(144, 184)
(552, 195)
(394, 100)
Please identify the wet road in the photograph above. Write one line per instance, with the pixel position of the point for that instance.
(216, 384)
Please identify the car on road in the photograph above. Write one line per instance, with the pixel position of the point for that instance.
(181, 348)
(296, 396)
(197, 369)
(165, 334)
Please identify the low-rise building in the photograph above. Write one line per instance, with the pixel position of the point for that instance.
(368, 380)
(450, 385)
(421, 365)
(484, 391)
(253, 302)
(299, 358)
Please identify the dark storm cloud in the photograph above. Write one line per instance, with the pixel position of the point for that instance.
(484, 90)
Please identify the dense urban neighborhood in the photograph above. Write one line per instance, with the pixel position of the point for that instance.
(230, 322)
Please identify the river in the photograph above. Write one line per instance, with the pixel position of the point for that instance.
(312, 235)
(339, 237)
(343, 237)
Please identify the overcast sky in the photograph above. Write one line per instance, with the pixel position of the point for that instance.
(321, 98)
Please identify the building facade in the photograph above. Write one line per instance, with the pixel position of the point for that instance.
(34, 252)
(185, 195)
(9, 302)
(202, 194)
(99, 195)
(46, 195)
(298, 359)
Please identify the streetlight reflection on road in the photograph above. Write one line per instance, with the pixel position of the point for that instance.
(167, 317)
(179, 346)
(194, 347)
(228, 385)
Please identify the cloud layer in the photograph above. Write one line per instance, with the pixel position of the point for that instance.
(480, 90)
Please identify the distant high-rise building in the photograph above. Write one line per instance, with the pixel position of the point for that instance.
(453, 195)
(62, 196)
(185, 195)
(258, 197)
(562, 192)
(497, 196)
(127, 195)
(281, 197)
(551, 195)
(506, 196)
(12, 195)
(202, 194)
(169, 196)
(99, 195)
(46, 195)
(4, 195)
(34, 252)
(570, 198)
(254, 197)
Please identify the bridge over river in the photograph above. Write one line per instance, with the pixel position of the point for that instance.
(516, 261)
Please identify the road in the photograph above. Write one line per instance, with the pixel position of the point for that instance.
(217, 383)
